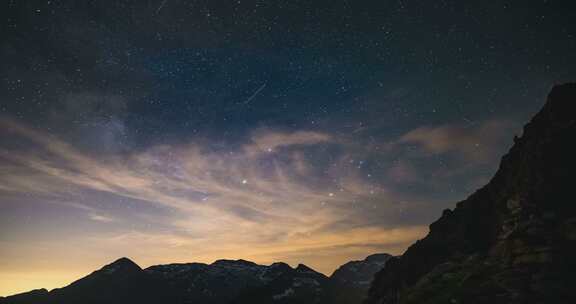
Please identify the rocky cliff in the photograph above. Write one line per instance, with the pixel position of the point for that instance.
(512, 241)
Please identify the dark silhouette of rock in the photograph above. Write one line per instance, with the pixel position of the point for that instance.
(122, 281)
(33, 296)
(512, 241)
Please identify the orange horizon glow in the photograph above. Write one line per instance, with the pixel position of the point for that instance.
(52, 276)
(182, 203)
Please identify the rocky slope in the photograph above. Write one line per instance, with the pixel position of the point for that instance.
(222, 282)
(512, 241)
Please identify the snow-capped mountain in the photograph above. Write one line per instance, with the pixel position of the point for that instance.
(226, 281)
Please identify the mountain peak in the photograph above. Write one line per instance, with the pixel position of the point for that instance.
(122, 264)
(280, 265)
(378, 257)
(239, 262)
(303, 268)
(561, 100)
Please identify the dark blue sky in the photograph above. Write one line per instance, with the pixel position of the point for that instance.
(185, 67)
(160, 120)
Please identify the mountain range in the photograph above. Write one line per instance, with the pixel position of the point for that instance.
(222, 282)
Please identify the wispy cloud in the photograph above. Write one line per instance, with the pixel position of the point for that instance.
(100, 218)
(261, 201)
(266, 141)
(476, 142)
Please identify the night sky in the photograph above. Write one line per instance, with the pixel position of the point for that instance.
(308, 132)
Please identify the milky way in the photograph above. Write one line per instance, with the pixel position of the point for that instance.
(306, 132)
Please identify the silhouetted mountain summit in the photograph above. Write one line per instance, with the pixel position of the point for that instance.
(303, 268)
(121, 266)
(512, 241)
(122, 281)
(232, 263)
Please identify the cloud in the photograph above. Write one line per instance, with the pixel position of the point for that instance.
(101, 218)
(266, 200)
(477, 142)
(402, 171)
(266, 141)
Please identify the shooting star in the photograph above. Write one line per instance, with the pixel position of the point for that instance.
(255, 93)
(161, 6)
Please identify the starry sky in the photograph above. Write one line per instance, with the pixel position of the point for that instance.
(308, 132)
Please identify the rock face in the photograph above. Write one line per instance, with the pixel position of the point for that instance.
(512, 241)
(349, 284)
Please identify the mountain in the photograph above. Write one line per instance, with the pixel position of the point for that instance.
(122, 281)
(286, 285)
(512, 241)
(349, 284)
(229, 281)
(33, 296)
(222, 282)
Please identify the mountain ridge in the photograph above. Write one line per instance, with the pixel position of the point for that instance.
(223, 281)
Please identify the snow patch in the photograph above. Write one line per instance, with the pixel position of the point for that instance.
(288, 292)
